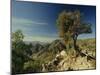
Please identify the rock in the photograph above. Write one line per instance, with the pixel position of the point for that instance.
(63, 53)
(68, 61)
(44, 68)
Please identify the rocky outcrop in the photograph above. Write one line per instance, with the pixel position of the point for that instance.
(70, 61)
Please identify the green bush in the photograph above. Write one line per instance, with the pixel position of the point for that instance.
(32, 66)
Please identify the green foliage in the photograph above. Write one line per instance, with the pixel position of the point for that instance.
(17, 36)
(85, 27)
(32, 66)
(20, 52)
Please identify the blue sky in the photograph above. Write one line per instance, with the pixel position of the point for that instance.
(38, 20)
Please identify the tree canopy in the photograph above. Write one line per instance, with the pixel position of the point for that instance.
(17, 36)
(70, 25)
(71, 22)
(20, 52)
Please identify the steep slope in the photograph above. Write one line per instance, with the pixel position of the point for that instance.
(70, 60)
(54, 57)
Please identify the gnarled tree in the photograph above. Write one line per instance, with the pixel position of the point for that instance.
(70, 26)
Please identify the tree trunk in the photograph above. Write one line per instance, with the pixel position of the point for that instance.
(75, 43)
(68, 41)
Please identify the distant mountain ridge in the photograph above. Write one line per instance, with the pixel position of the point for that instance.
(38, 46)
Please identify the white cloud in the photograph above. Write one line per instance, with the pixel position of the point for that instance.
(23, 21)
(17, 21)
(40, 38)
(39, 23)
(26, 25)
